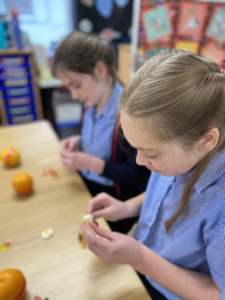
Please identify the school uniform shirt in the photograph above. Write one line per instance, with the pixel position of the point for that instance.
(196, 240)
(97, 134)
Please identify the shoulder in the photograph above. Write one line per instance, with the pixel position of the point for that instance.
(215, 219)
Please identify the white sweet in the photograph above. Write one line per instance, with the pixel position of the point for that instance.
(47, 233)
(88, 219)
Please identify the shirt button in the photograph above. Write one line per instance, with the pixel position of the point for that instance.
(140, 240)
(150, 224)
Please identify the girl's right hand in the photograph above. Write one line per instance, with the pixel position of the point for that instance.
(107, 207)
(70, 144)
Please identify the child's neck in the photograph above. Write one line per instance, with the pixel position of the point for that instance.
(106, 93)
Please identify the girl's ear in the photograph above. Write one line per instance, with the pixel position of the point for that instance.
(209, 141)
(100, 70)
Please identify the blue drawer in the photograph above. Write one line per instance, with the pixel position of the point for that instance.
(19, 119)
(13, 60)
(20, 110)
(17, 101)
(15, 81)
(15, 70)
(17, 91)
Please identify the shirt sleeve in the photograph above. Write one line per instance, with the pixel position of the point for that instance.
(126, 172)
(215, 252)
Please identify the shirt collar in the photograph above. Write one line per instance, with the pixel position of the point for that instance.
(111, 108)
(213, 171)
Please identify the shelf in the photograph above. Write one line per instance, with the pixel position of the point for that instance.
(52, 83)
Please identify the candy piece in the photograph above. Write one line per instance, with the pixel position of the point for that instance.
(37, 298)
(8, 242)
(47, 233)
(88, 219)
(4, 248)
(6, 245)
(60, 174)
(82, 239)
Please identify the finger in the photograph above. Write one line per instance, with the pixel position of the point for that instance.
(67, 160)
(96, 203)
(106, 234)
(72, 155)
(96, 223)
(105, 213)
(95, 244)
(63, 145)
(69, 165)
(71, 146)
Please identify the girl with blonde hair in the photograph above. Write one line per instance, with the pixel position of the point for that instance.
(173, 113)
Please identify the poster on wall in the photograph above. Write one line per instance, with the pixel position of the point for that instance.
(194, 26)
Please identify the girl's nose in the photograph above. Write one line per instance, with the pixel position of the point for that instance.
(140, 159)
(75, 95)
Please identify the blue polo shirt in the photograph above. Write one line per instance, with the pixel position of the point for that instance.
(98, 132)
(196, 240)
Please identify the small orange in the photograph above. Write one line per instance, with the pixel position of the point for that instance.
(12, 284)
(10, 157)
(22, 183)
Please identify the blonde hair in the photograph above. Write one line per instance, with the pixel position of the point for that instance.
(185, 92)
(80, 52)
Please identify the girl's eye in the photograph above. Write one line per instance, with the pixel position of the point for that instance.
(150, 157)
(76, 86)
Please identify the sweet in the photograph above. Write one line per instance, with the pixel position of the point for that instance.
(47, 233)
(88, 219)
(82, 239)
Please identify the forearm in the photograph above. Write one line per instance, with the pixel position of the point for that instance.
(187, 284)
(133, 206)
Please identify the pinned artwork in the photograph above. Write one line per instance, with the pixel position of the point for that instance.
(104, 7)
(85, 25)
(150, 53)
(192, 19)
(110, 34)
(88, 3)
(121, 3)
(190, 46)
(157, 24)
(216, 28)
(214, 53)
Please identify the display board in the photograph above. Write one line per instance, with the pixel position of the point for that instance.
(195, 26)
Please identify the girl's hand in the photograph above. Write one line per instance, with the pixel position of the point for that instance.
(70, 144)
(107, 207)
(77, 160)
(112, 247)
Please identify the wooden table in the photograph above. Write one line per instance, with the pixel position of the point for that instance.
(58, 268)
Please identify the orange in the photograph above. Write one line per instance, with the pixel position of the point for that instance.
(22, 183)
(12, 284)
(10, 157)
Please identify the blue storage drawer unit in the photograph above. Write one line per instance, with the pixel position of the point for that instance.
(19, 91)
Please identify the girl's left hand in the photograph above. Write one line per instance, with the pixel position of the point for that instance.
(77, 161)
(112, 247)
